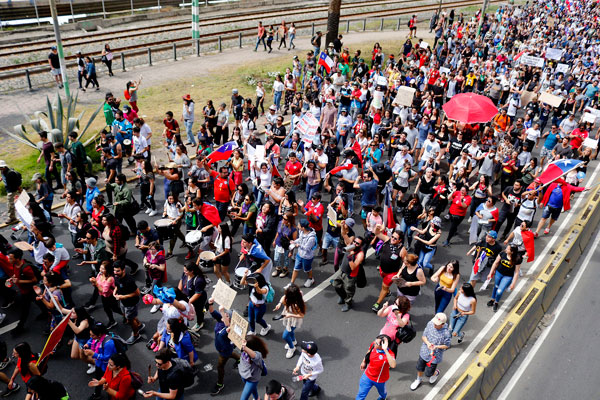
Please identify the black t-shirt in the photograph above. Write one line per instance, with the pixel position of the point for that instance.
(332, 156)
(456, 147)
(390, 260)
(110, 164)
(279, 131)
(126, 285)
(383, 174)
(171, 379)
(505, 267)
(54, 60)
(514, 199)
(491, 250)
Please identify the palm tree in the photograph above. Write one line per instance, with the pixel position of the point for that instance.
(333, 20)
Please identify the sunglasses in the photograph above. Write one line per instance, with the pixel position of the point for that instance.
(158, 364)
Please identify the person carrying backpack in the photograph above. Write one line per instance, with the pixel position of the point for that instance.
(12, 181)
(117, 380)
(173, 376)
(98, 350)
(252, 365)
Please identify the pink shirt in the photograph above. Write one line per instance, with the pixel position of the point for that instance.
(391, 323)
(105, 285)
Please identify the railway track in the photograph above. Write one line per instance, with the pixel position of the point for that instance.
(36, 67)
(42, 45)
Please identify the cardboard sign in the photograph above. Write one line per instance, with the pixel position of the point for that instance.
(554, 54)
(551, 99)
(531, 60)
(589, 117)
(526, 97)
(591, 143)
(239, 327)
(331, 214)
(404, 96)
(307, 125)
(551, 21)
(562, 68)
(223, 295)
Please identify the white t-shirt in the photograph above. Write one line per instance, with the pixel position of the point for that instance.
(431, 149)
(146, 131)
(532, 134)
(323, 159)
(278, 86)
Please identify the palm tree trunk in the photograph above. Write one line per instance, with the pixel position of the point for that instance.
(333, 20)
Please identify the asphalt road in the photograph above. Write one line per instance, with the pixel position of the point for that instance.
(566, 340)
(343, 338)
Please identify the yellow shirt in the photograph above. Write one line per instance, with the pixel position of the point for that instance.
(446, 281)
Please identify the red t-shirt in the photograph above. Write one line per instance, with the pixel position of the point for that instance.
(580, 136)
(294, 169)
(378, 369)
(172, 125)
(120, 383)
(223, 187)
(318, 210)
(456, 208)
(433, 76)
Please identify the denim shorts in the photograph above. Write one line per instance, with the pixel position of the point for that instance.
(303, 264)
(330, 241)
(551, 212)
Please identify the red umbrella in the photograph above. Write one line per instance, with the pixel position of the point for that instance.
(470, 108)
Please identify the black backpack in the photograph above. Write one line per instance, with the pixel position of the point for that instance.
(406, 333)
(185, 371)
(125, 232)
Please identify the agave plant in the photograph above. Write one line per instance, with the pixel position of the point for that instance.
(55, 122)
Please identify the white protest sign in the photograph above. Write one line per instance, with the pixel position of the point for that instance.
(377, 99)
(554, 54)
(551, 99)
(591, 143)
(444, 70)
(382, 80)
(593, 111)
(531, 60)
(404, 96)
(423, 45)
(589, 117)
(223, 295)
(562, 68)
(307, 125)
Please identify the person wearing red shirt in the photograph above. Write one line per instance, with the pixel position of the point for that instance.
(577, 136)
(377, 363)
(434, 74)
(293, 171)
(224, 187)
(458, 209)
(24, 278)
(314, 211)
(116, 381)
(171, 127)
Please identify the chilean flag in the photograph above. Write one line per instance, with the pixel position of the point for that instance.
(211, 213)
(528, 243)
(224, 152)
(326, 62)
(389, 213)
(346, 166)
(479, 261)
(358, 151)
(556, 169)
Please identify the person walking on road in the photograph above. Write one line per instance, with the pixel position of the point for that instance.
(505, 272)
(168, 375)
(436, 340)
(376, 366)
(345, 279)
(308, 368)
(261, 36)
(128, 294)
(465, 304)
(222, 343)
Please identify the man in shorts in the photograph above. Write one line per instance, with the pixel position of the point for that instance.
(491, 248)
(54, 62)
(128, 294)
(436, 339)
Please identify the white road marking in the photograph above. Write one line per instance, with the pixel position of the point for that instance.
(536, 347)
(8, 327)
(468, 353)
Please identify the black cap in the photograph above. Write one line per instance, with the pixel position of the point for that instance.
(248, 237)
(320, 147)
(310, 347)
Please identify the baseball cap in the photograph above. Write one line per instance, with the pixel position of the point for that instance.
(234, 91)
(304, 223)
(493, 234)
(350, 222)
(310, 347)
(439, 319)
(3, 164)
(36, 176)
(437, 221)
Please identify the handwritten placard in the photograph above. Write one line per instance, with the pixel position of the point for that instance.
(554, 54)
(562, 68)
(589, 117)
(331, 214)
(238, 329)
(551, 99)
(223, 295)
(404, 96)
(531, 61)
(526, 97)
(591, 143)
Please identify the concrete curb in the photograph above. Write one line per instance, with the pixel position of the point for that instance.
(484, 373)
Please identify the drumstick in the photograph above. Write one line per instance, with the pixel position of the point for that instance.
(149, 370)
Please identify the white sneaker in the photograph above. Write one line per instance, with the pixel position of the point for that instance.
(309, 282)
(433, 378)
(91, 370)
(264, 331)
(287, 286)
(155, 308)
(250, 333)
(148, 210)
(416, 383)
(290, 352)
(470, 219)
(153, 213)
(287, 346)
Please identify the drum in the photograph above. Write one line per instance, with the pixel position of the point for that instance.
(207, 255)
(164, 228)
(193, 238)
(206, 261)
(239, 274)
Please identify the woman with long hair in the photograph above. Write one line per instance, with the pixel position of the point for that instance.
(293, 314)
(396, 317)
(105, 284)
(505, 272)
(286, 234)
(289, 204)
(222, 259)
(107, 57)
(45, 389)
(26, 364)
(80, 322)
(465, 304)
(147, 189)
(252, 364)
(131, 90)
(447, 278)
(193, 285)
(155, 264)
(116, 381)
(237, 165)
(266, 226)
(426, 242)
(98, 211)
(179, 339)
(257, 304)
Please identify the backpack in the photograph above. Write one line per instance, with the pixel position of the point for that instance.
(264, 371)
(136, 380)
(187, 376)
(125, 231)
(270, 294)
(406, 333)
(408, 23)
(126, 94)
(120, 345)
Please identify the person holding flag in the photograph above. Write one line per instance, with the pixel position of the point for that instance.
(326, 62)
(556, 198)
(484, 251)
(522, 237)
(256, 259)
(224, 186)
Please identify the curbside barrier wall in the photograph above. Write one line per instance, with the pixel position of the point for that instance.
(484, 373)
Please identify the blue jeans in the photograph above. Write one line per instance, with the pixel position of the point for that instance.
(282, 260)
(309, 387)
(350, 203)
(311, 189)
(289, 337)
(250, 388)
(167, 187)
(442, 299)
(405, 229)
(425, 258)
(501, 282)
(277, 99)
(258, 195)
(365, 385)
(190, 133)
(342, 137)
(456, 324)
(258, 40)
(248, 230)
(255, 314)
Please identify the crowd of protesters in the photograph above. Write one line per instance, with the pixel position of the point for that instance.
(380, 180)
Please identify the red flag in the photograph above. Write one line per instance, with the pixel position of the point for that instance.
(274, 170)
(211, 213)
(528, 242)
(222, 153)
(391, 224)
(339, 168)
(358, 151)
(53, 340)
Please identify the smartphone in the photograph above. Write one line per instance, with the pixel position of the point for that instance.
(141, 392)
